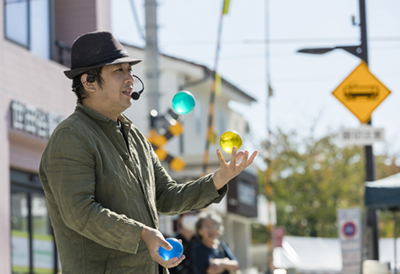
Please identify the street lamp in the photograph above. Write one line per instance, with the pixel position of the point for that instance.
(361, 51)
(355, 50)
(316, 50)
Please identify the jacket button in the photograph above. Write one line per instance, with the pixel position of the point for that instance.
(126, 157)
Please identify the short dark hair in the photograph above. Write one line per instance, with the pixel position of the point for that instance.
(80, 90)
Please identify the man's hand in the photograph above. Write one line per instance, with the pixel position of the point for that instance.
(154, 239)
(230, 170)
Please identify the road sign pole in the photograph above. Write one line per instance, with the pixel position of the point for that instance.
(370, 214)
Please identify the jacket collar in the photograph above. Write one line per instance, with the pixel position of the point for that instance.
(97, 116)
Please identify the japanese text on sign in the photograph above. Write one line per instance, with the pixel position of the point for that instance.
(364, 135)
(32, 120)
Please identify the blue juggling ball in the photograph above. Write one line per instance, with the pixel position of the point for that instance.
(176, 251)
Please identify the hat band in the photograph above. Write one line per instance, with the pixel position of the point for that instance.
(101, 58)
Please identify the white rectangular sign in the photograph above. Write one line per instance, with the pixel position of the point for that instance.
(349, 230)
(33, 120)
(364, 135)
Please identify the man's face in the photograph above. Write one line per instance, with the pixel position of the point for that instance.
(114, 96)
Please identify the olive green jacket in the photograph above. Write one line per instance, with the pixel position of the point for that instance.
(100, 194)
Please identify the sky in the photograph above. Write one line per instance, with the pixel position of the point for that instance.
(252, 49)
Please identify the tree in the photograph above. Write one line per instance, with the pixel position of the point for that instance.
(312, 178)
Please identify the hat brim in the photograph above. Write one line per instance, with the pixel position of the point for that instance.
(71, 74)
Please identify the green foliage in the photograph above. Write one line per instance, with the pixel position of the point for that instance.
(312, 178)
(258, 232)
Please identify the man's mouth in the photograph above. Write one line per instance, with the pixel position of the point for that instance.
(127, 92)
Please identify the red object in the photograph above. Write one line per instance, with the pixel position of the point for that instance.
(277, 234)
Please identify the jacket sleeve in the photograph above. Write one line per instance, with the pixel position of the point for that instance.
(68, 166)
(173, 198)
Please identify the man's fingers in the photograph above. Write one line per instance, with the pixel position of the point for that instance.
(243, 164)
(154, 241)
(233, 157)
(220, 157)
(239, 156)
(173, 262)
(165, 245)
(247, 161)
(250, 161)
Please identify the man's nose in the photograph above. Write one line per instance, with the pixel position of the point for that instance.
(130, 77)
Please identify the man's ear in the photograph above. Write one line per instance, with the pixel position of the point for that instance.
(89, 86)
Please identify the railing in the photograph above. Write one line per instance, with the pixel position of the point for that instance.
(64, 53)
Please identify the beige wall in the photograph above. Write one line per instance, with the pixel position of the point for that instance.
(5, 189)
(40, 83)
(4, 167)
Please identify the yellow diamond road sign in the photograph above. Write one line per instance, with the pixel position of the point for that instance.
(361, 92)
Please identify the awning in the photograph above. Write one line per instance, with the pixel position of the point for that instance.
(383, 193)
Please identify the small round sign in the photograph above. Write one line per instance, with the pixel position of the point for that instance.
(349, 229)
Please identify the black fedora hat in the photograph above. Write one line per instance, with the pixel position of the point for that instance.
(96, 49)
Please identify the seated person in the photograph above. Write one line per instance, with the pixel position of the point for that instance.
(211, 255)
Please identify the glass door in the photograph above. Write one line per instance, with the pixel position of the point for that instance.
(33, 249)
(20, 249)
(42, 238)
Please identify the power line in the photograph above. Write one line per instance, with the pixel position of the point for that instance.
(318, 40)
(283, 41)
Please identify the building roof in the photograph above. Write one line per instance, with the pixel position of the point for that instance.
(207, 71)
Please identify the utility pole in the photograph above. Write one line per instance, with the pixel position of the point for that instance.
(151, 57)
(268, 173)
(371, 220)
(370, 214)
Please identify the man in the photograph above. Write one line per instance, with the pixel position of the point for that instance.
(103, 182)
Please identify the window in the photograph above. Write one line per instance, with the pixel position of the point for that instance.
(32, 243)
(27, 23)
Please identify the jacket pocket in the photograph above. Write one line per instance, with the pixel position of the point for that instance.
(110, 263)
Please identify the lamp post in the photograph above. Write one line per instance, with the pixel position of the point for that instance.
(361, 51)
